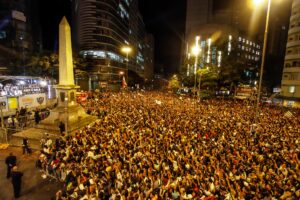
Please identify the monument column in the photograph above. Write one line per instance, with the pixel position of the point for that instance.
(66, 89)
(68, 110)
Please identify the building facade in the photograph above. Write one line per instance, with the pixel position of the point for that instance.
(15, 31)
(204, 12)
(223, 29)
(290, 84)
(217, 48)
(102, 28)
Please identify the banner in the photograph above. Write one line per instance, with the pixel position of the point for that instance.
(12, 103)
(3, 103)
(32, 100)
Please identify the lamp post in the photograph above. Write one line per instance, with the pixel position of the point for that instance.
(66, 113)
(23, 55)
(126, 50)
(263, 57)
(195, 52)
(121, 73)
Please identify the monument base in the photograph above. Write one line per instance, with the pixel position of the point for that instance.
(74, 117)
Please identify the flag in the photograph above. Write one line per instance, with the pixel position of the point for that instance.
(288, 114)
(158, 102)
(124, 84)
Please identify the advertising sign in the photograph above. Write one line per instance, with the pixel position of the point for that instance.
(18, 15)
(81, 97)
(3, 103)
(12, 103)
(32, 100)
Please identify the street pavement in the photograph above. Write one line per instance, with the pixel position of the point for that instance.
(34, 187)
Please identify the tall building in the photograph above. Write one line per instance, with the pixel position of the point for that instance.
(290, 84)
(15, 30)
(219, 48)
(102, 28)
(222, 23)
(206, 12)
(149, 56)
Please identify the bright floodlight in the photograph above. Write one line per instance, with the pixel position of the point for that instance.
(126, 49)
(22, 82)
(196, 50)
(43, 83)
(258, 2)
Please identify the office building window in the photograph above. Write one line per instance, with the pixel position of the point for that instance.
(292, 89)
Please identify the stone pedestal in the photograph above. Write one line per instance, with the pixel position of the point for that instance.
(67, 111)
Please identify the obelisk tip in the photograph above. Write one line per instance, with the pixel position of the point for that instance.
(64, 21)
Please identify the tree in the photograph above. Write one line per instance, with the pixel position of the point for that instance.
(233, 66)
(174, 83)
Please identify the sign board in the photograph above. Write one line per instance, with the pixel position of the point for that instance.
(32, 100)
(103, 84)
(3, 103)
(276, 90)
(18, 15)
(81, 97)
(12, 103)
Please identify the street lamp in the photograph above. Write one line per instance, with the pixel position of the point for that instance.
(195, 52)
(23, 56)
(126, 50)
(121, 73)
(66, 113)
(263, 56)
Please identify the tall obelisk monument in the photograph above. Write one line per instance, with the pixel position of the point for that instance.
(66, 89)
(66, 74)
(67, 110)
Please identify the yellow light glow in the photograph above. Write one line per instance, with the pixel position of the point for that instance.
(126, 49)
(196, 50)
(258, 2)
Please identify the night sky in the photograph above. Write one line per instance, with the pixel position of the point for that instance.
(166, 21)
(163, 18)
(50, 20)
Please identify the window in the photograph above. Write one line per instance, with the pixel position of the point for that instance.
(292, 89)
(294, 76)
(287, 65)
(296, 63)
(2, 34)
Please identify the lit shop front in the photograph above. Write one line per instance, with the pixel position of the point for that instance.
(18, 92)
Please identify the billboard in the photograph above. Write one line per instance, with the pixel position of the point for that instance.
(32, 100)
(18, 15)
(12, 103)
(3, 103)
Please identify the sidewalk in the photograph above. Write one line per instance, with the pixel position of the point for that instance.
(34, 187)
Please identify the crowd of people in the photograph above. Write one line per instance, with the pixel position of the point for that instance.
(156, 146)
(24, 118)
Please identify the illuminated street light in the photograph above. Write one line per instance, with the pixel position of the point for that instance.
(257, 2)
(121, 73)
(263, 56)
(127, 50)
(196, 51)
(188, 65)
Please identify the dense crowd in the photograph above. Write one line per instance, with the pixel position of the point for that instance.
(157, 146)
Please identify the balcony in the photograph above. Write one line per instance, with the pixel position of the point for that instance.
(290, 82)
(292, 57)
(295, 3)
(293, 43)
(294, 30)
(292, 69)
